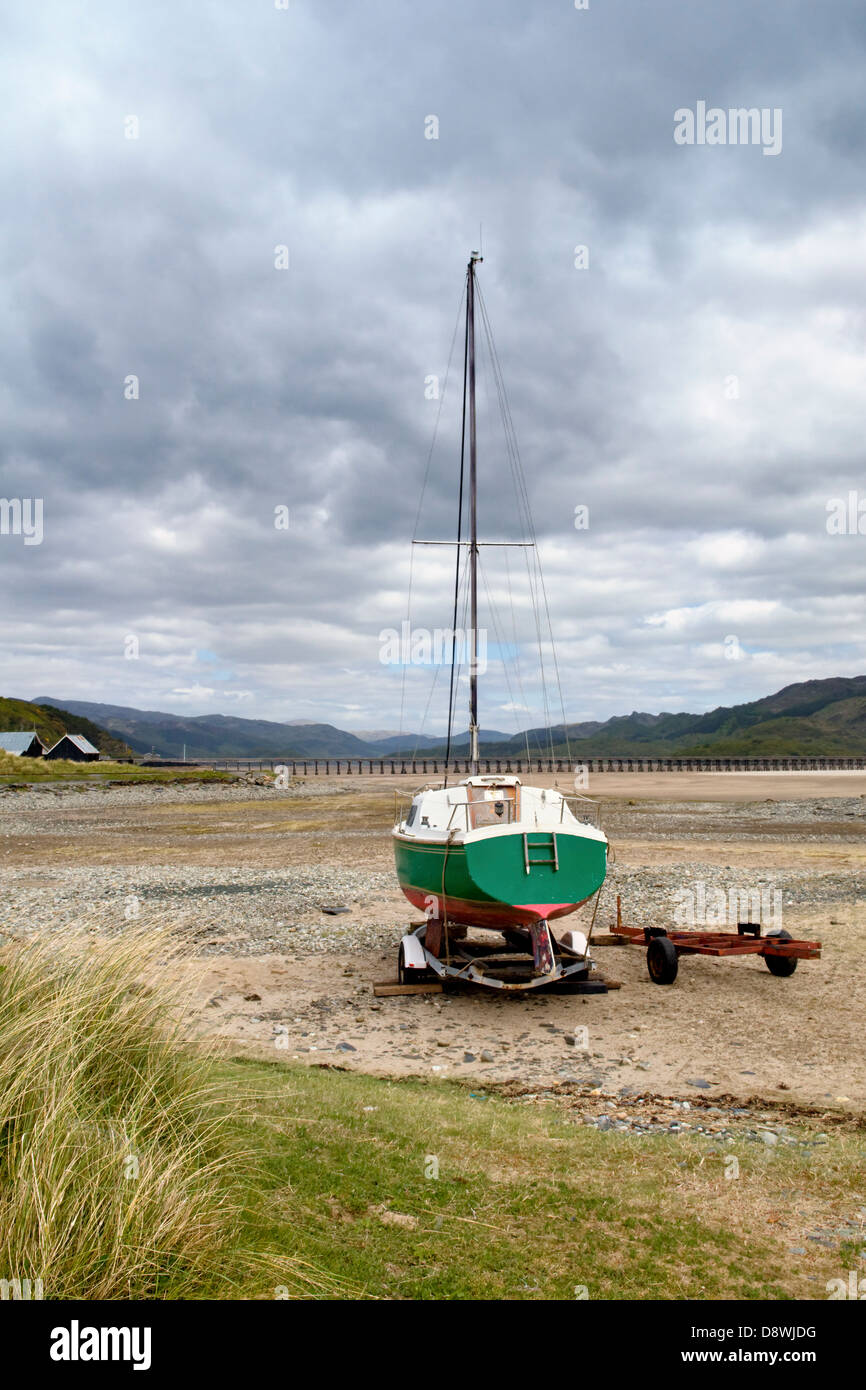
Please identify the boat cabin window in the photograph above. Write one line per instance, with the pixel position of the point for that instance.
(413, 811)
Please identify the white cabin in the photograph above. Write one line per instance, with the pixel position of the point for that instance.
(495, 802)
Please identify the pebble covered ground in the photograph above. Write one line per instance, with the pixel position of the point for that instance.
(805, 819)
(259, 898)
(254, 911)
(257, 910)
(22, 807)
(219, 911)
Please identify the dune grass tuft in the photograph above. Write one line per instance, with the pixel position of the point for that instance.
(115, 1147)
(21, 770)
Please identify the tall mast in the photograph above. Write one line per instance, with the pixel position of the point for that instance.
(473, 522)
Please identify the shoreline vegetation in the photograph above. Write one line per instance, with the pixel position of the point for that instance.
(135, 1163)
(20, 772)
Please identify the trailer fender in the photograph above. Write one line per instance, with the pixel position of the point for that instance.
(413, 953)
(574, 941)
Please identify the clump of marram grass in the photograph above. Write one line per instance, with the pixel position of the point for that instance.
(29, 768)
(115, 1144)
(32, 771)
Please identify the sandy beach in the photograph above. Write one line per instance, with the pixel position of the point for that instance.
(241, 874)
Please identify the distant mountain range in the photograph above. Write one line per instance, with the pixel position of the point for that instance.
(811, 718)
(225, 736)
(216, 735)
(820, 718)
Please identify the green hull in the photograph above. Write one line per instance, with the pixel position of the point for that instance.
(485, 881)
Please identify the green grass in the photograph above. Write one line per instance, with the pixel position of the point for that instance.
(15, 771)
(133, 1164)
(529, 1203)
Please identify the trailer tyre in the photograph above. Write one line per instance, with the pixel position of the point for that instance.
(401, 967)
(662, 961)
(781, 965)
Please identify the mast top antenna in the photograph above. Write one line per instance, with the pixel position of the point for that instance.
(476, 256)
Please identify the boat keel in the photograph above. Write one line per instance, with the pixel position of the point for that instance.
(542, 949)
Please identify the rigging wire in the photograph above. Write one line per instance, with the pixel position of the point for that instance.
(423, 492)
(524, 509)
(520, 481)
(458, 666)
(426, 709)
(516, 644)
(459, 538)
(498, 634)
(537, 587)
(464, 590)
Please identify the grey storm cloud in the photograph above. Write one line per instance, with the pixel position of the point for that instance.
(699, 385)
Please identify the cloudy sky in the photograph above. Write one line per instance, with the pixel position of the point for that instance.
(695, 376)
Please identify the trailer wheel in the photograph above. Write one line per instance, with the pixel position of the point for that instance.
(781, 965)
(401, 967)
(662, 961)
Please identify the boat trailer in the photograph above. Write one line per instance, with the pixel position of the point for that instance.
(664, 948)
(516, 963)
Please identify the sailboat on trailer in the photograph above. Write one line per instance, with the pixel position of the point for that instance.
(491, 854)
